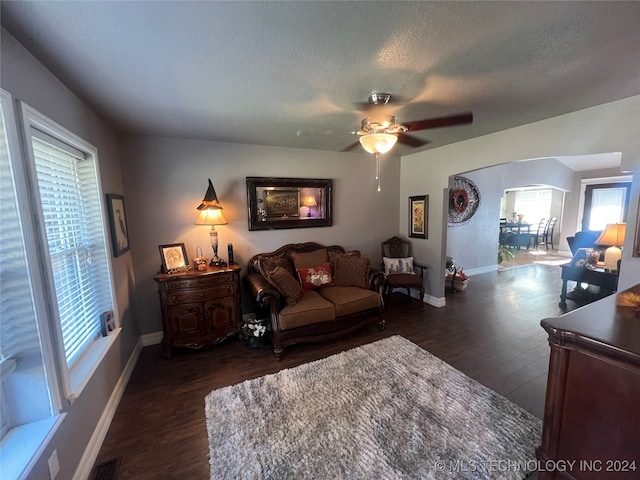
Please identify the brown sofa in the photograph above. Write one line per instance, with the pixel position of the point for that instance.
(336, 302)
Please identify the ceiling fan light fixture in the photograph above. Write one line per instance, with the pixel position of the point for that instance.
(378, 142)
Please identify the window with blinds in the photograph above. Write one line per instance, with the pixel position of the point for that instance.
(55, 279)
(73, 221)
(24, 394)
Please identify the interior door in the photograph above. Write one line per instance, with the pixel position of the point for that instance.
(605, 203)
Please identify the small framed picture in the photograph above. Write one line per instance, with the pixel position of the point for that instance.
(174, 258)
(108, 323)
(118, 224)
(419, 216)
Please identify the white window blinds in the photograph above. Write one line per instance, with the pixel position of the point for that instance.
(18, 331)
(70, 198)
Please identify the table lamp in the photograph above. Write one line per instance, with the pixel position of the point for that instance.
(309, 202)
(612, 237)
(211, 214)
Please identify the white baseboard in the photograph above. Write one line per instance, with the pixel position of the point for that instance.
(481, 270)
(95, 443)
(151, 338)
(434, 301)
(428, 299)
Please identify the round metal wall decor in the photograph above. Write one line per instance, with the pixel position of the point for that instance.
(464, 199)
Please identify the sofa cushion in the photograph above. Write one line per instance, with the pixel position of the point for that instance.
(334, 255)
(316, 277)
(267, 265)
(309, 259)
(398, 265)
(311, 308)
(352, 271)
(286, 284)
(348, 300)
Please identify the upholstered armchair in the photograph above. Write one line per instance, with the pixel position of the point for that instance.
(400, 270)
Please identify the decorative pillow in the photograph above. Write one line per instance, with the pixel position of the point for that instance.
(267, 265)
(309, 259)
(352, 271)
(316, 277)
(398, 265)
(334, 255)
(286, 284)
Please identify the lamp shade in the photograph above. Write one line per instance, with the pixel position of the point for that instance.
(309, 201)
(378, 142)
(613, 235)
(211, 216)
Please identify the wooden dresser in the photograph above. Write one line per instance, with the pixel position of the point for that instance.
(199, 309)
(592, 409)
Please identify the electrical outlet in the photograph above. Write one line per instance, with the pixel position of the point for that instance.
(54, 466)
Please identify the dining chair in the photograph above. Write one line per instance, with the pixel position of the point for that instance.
(538, 237)
(503, 231)
(400, 269)
(548, 233)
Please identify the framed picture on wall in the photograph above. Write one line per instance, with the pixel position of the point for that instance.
(118, 224)
(419, 216)
(282, 202)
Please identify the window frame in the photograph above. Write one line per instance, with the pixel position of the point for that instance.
(588, 200)
(586, 182)
(68, 382)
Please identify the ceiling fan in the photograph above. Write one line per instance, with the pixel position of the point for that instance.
(379, 133)
(382, 128)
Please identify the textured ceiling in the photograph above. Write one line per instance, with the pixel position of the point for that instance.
(292, 73)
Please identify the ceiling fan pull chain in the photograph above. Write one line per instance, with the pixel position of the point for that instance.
(378, 169)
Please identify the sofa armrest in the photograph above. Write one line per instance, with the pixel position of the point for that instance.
(261, 290)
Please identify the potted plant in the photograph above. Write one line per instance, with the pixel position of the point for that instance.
(253, 332)
(504, 253)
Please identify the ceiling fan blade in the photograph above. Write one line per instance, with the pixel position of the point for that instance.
(448, 121)
(351, 147)
(411, 141)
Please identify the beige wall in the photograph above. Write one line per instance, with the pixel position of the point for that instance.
(165, 180)
(612, 127)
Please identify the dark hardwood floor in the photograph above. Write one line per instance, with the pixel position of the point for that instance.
(491, 332)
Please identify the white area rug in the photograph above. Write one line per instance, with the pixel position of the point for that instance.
(386, 410)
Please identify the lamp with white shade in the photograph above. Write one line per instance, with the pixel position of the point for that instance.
(309, 201)
(612, 237)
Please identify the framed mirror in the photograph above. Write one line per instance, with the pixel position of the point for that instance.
(289, 202)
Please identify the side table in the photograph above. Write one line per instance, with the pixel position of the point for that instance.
(199, 309)
(598, 277)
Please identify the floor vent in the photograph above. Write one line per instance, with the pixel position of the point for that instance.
(106, 470)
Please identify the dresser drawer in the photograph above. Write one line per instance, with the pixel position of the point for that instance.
(202, 282)
(200, 295)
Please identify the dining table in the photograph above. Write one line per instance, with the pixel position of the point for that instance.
(515, 234)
